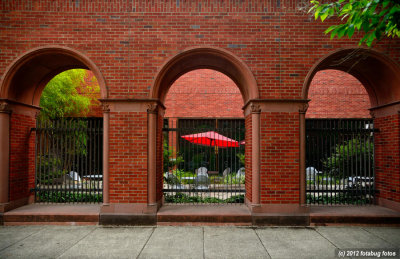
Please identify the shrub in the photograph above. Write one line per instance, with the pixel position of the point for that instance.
(68, 197)
(352, 156)
(233, 179)
(184, 198)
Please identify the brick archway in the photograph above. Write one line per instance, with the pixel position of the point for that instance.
(227, 63)
(20, 90)
(380, 76)
(205, 57)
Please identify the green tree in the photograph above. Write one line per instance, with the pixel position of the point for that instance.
(375, 18)
(69, 94)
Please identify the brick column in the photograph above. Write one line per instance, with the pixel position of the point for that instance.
(255, 154)
(387, 154)
(106, 151)
(152, 152)
(4, 152)
(302, 172)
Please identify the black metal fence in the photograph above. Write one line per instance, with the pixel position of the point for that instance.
(69, 153)
(204, 160)
(340, 161)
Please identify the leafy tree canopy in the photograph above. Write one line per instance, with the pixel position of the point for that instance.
(375, 18)
(69, 94)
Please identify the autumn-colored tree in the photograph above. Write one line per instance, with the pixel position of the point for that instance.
(71, 93)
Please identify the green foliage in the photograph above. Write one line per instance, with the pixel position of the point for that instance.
(168, 154)
(67, 197)
(352, 156)
(64, 141)
(183, 198)
(50, 169)
(61, 97)
(375, 18)
(342, 198)
(233, 179)
(241, 158)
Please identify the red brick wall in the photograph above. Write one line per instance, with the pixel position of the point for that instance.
(204, 93)
(130, 41)
(279, 158)
(128, 157)
(22, 156)
(387, 157)
(209, 93)
(337, 94)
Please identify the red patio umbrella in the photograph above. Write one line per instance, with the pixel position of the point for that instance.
(211, 138)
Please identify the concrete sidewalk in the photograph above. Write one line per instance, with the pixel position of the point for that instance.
(189, 242)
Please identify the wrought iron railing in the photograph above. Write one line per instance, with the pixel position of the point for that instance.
(69, 160)
(204, 161)
(340, 161)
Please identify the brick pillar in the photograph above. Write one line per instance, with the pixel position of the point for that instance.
(152, 153)
(255, 154)
(277, 163)
(5, 152)
(106, 150)
(302, 156)
(387, 155)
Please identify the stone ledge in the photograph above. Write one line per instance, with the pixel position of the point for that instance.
(128, 219)
(276, 219)
(50, 218)
(205, 218)
(354, 220)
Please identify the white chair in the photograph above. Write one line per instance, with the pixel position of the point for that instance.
(75, 176)
(240, 172)
(312, 173)
(226, 172)
(202, 171)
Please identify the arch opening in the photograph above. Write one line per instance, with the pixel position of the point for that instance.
(345, 150)
(203, 139)
(231, 68)
(27, 76)
(21, 89)
(205, 58)
(377, 73)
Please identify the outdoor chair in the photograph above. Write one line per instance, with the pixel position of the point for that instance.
(201, 182)
(240, 172)
(202, 171)
(226, 171)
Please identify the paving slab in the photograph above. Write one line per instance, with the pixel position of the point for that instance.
(49, 242)
(229, 242)
(295, 243)
(353, 237)
(12, 235)
(174, 242)
(119, 242)
(391, 235)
